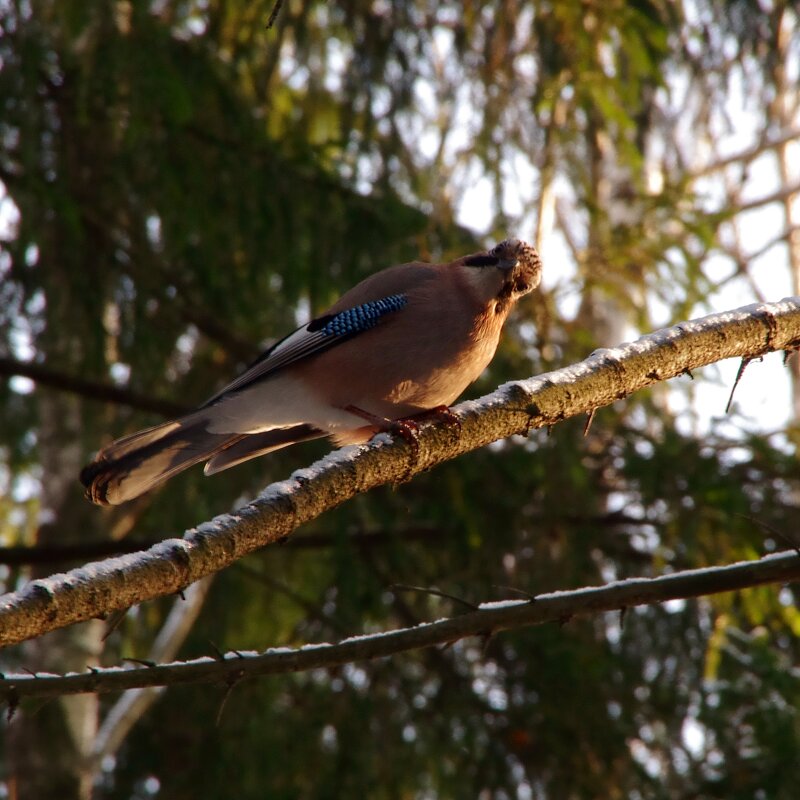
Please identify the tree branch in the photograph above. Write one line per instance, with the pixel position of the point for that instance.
(488, 619)
(780, 195)
(94, 390)
(23, 555)
(515, 408)
(747, 155)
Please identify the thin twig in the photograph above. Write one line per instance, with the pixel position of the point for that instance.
(589, 420)
(742, 367)
(785, 537)
(404, 587)
(276, 9)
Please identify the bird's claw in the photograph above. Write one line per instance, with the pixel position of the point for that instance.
(445, 415)
(407, 429)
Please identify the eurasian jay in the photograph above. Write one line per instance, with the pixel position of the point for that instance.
(401, 343)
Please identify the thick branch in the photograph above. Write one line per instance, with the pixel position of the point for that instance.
(515, 408)
(488, 619)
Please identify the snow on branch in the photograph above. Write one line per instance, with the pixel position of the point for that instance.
(486, 620)
(515, 408)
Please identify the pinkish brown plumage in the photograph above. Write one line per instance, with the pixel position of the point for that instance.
(402, 342)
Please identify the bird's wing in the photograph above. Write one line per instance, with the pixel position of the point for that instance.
(362, 308)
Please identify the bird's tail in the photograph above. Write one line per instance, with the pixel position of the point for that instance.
(258, 444)
(132, 465)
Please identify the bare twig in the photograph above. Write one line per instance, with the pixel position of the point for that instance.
(276, 9)
(789, 538)
(742, 367)
(434, 592)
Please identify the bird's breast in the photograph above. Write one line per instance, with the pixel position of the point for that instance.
(410, 363)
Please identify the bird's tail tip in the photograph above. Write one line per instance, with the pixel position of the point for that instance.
(137, 463)
(95, 478)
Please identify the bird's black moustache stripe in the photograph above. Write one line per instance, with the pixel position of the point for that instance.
(481, 261)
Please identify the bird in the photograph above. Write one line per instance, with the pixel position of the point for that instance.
(402, 343)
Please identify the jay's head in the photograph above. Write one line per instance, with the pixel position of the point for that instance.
(504, 273)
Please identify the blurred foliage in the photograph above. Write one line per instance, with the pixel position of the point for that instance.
(189, 184)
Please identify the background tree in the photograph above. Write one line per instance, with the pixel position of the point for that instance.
(182, 183)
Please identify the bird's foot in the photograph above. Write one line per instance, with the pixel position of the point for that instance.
(445, 415)
(407, 429)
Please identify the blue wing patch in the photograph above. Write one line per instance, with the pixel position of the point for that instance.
(358, 319)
